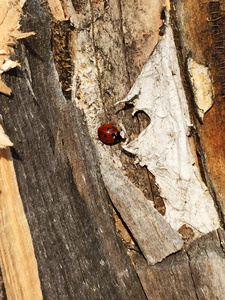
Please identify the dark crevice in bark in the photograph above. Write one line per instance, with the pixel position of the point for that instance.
(192, 275)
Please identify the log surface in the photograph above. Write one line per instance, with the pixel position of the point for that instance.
(195, 274)
(78, 252)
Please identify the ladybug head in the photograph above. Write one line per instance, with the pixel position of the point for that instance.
(117, 137)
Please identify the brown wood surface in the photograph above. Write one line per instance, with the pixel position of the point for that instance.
(201, 29)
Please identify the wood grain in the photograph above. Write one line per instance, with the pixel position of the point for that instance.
(78, 251)
(154, 236)
(18, 263)
(195, 274)
(201, 32)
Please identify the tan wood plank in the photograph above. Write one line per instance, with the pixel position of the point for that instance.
(18, 262)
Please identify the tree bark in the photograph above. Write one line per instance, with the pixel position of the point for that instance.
(102, 226)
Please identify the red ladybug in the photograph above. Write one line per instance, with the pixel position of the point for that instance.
(109, 134)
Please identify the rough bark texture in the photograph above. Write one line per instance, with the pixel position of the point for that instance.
(78, 252)
(195, 274)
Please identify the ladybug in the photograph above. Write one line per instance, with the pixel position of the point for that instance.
(109, 134)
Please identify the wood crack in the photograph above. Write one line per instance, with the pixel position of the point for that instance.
(96, 60)
(192, 276)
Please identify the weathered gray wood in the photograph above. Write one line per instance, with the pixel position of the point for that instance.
(170, 279)
(195, 274)
(153, 234)
(78, 252)
(207, 264)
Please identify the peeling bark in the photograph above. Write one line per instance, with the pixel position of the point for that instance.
(203, 37)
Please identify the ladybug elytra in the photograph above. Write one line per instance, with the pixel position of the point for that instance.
(109, 134)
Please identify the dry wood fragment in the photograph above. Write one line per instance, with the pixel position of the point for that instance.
(195, 274)
(9, 33)
(4, 139)
(56, 9)
(154, 236)
(18, 263)
(171, 279)
(207, 264)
